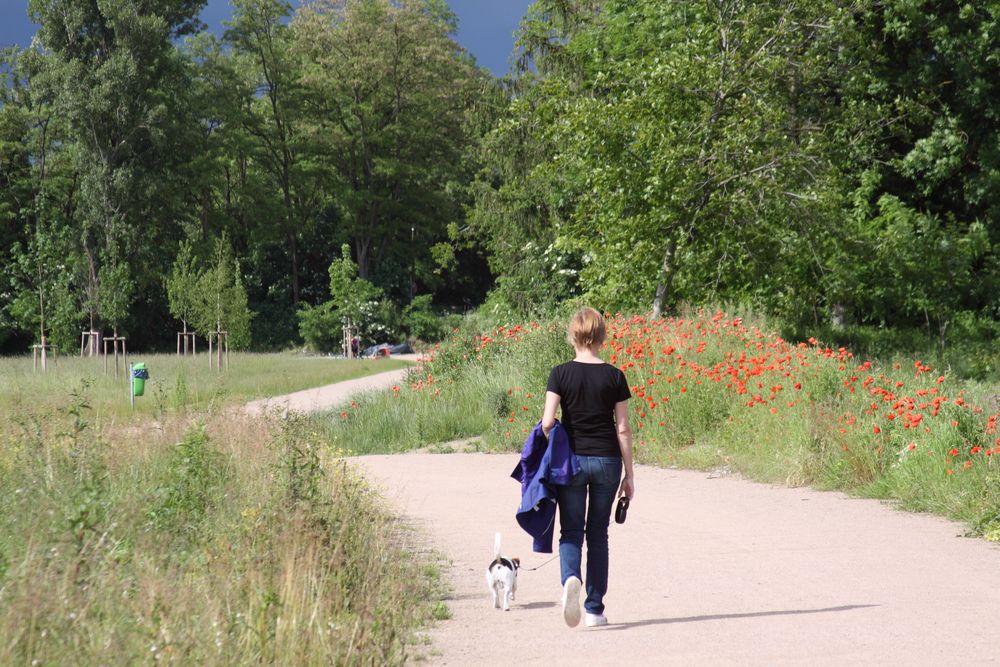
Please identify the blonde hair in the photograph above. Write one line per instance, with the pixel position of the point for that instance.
(586, 328)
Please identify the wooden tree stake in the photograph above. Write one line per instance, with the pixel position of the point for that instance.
(42, 350)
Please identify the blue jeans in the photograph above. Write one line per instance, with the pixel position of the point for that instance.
(598, 479)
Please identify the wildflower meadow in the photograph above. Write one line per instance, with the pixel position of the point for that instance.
(714, 391)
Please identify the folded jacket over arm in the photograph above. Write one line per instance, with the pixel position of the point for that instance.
(545, 464)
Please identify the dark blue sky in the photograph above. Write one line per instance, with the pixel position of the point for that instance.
(485, 27)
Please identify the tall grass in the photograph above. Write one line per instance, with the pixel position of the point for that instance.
(214, 540)
(967, 349)
(459, 392)
(712, 391)
(175, 382)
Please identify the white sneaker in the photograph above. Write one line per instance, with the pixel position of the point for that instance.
(571, 601)
(594, 620)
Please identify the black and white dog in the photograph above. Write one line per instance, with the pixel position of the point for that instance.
(501, 577)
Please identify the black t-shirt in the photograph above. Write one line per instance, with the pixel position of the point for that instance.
(588, 393)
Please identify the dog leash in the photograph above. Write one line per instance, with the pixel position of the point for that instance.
(532, 569)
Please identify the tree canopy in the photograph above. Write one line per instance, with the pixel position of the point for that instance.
(804, 156)
(815, 158)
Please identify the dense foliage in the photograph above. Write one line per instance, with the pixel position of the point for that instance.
(831, 161)
(136, 151)
(826, 160)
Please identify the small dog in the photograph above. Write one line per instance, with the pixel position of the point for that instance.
(501, 576)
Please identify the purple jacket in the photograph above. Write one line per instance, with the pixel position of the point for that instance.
(544, 464)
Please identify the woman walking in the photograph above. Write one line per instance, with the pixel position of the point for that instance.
(593, 397)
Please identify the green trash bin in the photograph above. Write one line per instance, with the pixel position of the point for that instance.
(139, 377)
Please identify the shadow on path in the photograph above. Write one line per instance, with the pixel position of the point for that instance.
(539, 605)
(720, 617)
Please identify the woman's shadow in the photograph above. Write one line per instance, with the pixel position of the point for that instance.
(719, 617)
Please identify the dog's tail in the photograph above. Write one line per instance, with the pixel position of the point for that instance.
(496, 546)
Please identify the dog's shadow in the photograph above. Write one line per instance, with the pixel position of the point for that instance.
(538, 605)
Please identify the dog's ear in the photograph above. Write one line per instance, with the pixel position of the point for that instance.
(516, 561)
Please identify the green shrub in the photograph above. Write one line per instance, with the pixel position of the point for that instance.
(421, 322)
(191, 483)
(320, 327)
(298, 452)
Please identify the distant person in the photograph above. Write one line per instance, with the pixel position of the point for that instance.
(355, 346)
(593, 397)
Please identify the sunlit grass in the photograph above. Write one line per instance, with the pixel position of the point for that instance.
(214, 539)
(175, 382)
(402, 420)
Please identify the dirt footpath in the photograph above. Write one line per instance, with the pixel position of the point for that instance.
(331, 395)
(707, 571)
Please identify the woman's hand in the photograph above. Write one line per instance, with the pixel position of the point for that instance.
(627, 488)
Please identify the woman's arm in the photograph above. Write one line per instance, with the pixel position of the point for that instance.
(625, 443)
(549, 413)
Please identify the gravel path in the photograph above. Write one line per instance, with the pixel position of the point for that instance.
(707, 571)
(331, 395)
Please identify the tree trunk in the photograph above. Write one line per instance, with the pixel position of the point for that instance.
(942, 329)
(93, 288)
(41, 314)
(666, 278)
(293, 249)
(363, 247)
(838, 316)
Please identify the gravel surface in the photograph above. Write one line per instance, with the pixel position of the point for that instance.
(329, 396)
(707, 570)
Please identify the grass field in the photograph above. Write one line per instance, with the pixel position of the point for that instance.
(189, 535)
(175, 382)
(216, 541)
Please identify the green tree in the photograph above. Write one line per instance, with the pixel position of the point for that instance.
(668, 152)
(271, 114)
(353, 299)
(37, 203)
(221, 303)
(923, 213)
(116, 71)
(231, 187)
(116, 292)
(520, 201)
(182, 285)
(388, 92)
(42, 276)
(700, 160)
(117, 142)
(348, 291)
